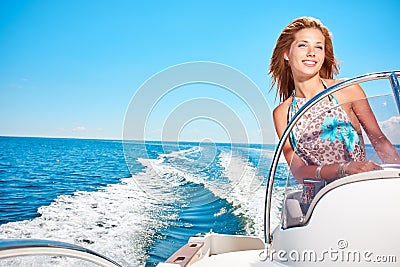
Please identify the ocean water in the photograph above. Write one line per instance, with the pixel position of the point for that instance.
(133, 202)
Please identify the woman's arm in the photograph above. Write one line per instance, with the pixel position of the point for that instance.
(298, 168)
(383, 147)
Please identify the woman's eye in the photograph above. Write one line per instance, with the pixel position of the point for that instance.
(302, 45)
(320, 47)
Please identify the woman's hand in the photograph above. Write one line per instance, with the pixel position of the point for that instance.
(361, 166)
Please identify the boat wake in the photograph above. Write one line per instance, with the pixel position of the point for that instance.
(142, 219)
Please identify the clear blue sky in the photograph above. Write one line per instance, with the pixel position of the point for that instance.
(70, 68)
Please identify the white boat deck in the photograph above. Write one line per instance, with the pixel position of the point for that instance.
(248, 258)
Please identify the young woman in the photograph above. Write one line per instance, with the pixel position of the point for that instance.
(329, 146)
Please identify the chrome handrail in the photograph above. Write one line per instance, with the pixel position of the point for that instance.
(34, 247)
(391, 75)
(394, 82)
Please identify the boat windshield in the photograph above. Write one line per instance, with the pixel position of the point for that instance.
(320, 130)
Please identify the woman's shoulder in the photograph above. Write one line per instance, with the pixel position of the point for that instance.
(349, 93)
(332, 82)
(282, 109)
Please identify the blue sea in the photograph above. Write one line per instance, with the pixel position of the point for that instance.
(135, 202)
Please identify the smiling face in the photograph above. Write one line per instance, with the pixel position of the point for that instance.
(306, 54)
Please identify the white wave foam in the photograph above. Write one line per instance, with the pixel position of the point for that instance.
(182, 154)
(246, 193)
(243, 189)
(118, 221)
(166, 175)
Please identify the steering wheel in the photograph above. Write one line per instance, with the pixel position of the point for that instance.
(390, 166)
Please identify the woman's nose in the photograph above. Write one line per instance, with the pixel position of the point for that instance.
(311, 52)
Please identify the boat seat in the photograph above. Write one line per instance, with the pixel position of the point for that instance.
(292, 210)
(294, 214)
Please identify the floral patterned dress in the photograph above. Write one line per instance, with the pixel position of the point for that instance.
(324, 134)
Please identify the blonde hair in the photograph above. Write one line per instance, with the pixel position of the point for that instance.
(280, 69)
